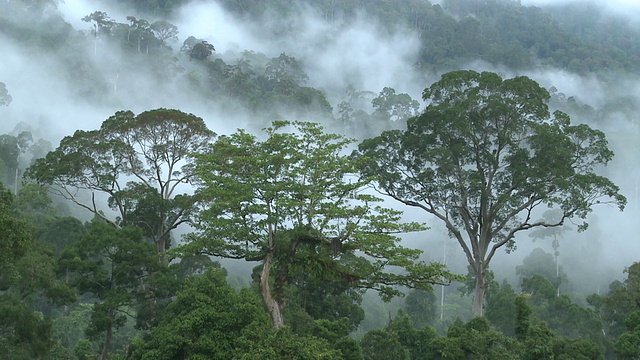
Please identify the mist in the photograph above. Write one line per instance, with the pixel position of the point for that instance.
(349, 53)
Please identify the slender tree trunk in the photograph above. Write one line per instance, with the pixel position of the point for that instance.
(273, 306)
(161, 246)
(107, 343)
(481, 287)
(15, 183)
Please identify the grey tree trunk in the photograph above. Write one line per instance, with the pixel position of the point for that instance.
(273, 306)
(478, 297)
(107, 342)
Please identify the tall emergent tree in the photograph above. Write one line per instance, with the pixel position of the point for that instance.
(164, 30)
(139, 162)
(293, 203)
(102, 25)
(484, 156)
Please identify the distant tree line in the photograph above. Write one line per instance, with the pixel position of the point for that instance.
(498, 31)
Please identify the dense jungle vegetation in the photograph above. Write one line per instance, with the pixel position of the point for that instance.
(122, 239)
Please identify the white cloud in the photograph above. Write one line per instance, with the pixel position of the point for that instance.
(210, 22)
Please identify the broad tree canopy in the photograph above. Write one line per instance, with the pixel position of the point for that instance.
(138, 161)
(294, 203)
(483, 156)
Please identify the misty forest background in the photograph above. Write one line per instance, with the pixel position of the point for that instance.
(356, 67)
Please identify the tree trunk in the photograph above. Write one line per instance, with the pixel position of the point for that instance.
(478, 296)
(107, 343)
(273, 307)
(162, 242)
(161, 248)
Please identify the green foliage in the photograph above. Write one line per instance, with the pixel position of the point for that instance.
(390, 111)
(628, 345)
(101, 22)
(577, 37)
(284, 71)
(578, 349)
(38, 277)
(619, 309)
(542, 263)
(538, 343)
(542, 343)
(31, 273)
(16, 236)
(383, 345)
(35, 24)
(209, 320)
(561, 315)
(501, 308)
(110, 264)
(336, 332)
(61, 232)
(523, 34)
(538, 286)
(28, 281)
(292, 199)
(283, 344)
(34, 202)
(522, 317)
(474, 340)
(316, 297)
(68, 328)
(164, 30)
(150, 147)
(17, 151)
(84, 350)
(416, 341)
(394, 107)
(24, 334)
(9, 153)
(201, 51)
(420, 305)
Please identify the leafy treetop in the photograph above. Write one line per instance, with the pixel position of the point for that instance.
(484, 155)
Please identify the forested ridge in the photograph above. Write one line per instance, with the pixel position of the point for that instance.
(237, 180)
(573, 36)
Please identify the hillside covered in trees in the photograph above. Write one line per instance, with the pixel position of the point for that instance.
(332, 179)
